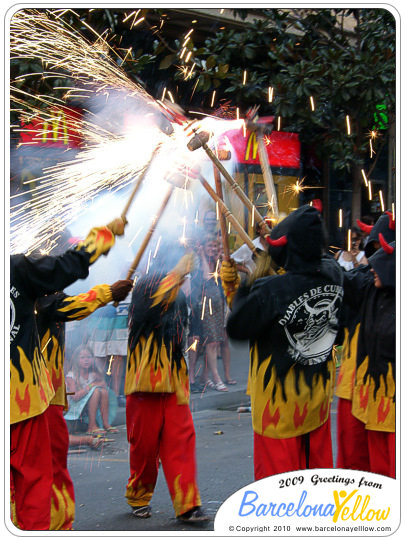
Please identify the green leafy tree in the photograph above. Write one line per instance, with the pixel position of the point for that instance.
(329, 71)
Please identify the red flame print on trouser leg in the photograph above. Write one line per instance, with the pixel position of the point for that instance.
(381, 445)
(31, 472)
(158, 427)
(63, 498)
(276, 456)
(351, 439)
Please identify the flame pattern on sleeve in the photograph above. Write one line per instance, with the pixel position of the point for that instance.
(63, 308)
(82, 305)
(374, 398)
(98, 242)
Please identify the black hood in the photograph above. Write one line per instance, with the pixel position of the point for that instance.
(305, 237)
(386, 227)
(384, 264)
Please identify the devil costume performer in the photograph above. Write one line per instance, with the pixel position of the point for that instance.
(159, 421)
(53, 311)
(291, 321)
(31, 389)
(352, 437)
(373, 402)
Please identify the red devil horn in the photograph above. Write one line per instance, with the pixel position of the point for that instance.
(392, 221)
(386, 247)
(278, 242)
(364, 227)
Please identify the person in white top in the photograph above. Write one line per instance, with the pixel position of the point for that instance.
(243, 255)
(353, 258)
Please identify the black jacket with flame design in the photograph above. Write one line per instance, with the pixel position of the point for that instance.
(31, 387)
(374, 387)
(291, 321)
(157, 339)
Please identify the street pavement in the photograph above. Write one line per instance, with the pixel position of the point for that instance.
(224, 457)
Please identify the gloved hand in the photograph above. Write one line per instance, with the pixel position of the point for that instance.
(120, 289)
(185, 265)
(117, 226)
(228, 272)
(230, 279)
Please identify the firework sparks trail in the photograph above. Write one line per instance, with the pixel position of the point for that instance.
(65, 189)
(193, 346)
(46, 37)
(110, 158)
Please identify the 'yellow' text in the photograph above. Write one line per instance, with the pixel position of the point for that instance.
(349, 508)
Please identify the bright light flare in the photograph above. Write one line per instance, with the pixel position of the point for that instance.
(157, 247)
(108, 372)
(380, 194)
(270, 94)
(193, 346)
(203, 308)
(215, 273)
(370, 191)
(348, 127)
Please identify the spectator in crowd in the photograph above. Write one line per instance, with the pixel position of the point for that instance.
(89, 393)
(206, 291)
(94, 443)
(243, 256)
(349, 259)
(108, 338)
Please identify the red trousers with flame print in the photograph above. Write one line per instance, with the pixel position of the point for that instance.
(159, 428)
(360, 448)
(31, 473)
(381, 447)
(63, 498)
(276, 456)
(351, 439)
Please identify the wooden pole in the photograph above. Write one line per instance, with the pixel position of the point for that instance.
(148, 235)
(230, 217)
(138, 184)
(222, 220)
(235, 187)
(267, 174)
(150, 232)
